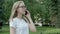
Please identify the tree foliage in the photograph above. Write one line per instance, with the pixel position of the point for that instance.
(45, 9)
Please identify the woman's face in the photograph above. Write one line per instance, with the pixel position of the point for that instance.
(21, 9)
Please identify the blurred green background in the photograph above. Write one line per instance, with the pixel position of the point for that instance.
(45, 11)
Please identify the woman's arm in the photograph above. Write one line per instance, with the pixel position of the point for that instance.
(12, 30)
(12, 25)
(31, 25)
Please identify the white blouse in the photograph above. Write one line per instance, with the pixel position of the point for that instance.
(20, 25)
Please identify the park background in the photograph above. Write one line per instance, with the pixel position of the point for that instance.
(45, 15)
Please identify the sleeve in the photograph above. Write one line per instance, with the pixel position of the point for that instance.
(12, 24)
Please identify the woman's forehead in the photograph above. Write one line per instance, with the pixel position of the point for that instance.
(22, 4)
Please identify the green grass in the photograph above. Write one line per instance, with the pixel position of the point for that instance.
(5, 30)
(40, 30)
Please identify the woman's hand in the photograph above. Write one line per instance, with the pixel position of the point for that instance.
(28, 14)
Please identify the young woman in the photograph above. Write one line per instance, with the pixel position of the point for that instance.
(20, 19)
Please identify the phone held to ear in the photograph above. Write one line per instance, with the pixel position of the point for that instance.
(26, 12)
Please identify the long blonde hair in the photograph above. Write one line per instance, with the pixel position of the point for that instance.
(14, 9)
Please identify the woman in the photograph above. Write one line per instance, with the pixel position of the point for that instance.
(20, 22)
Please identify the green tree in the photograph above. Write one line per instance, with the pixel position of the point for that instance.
(45, 9)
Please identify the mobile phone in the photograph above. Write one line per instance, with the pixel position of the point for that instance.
(26, 12)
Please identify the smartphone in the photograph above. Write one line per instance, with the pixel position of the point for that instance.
(26, 12)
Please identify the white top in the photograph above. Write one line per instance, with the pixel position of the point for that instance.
(20, 25)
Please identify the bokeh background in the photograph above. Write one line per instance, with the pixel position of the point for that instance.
(45, 15)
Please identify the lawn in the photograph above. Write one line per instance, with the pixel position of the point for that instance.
(40, 30)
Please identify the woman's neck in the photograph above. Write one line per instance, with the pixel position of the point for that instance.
(19, 16)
